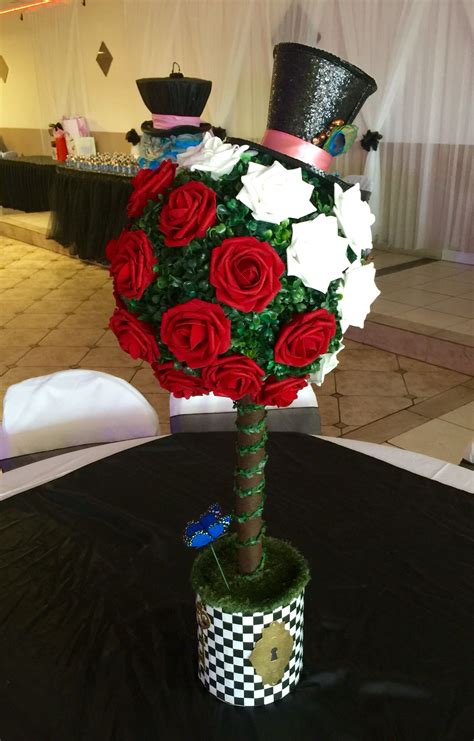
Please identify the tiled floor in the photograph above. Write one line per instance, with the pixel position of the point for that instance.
(37, 221)
(435, 299)
(54, 312)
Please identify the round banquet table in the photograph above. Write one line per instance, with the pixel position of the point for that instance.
(97, 620)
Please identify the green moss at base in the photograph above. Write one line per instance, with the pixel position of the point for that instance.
(284, 575)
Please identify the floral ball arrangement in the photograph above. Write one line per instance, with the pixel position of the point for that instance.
(239, 276)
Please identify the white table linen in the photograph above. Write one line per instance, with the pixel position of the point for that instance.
(36, 474)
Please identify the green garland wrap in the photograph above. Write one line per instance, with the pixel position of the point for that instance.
(247, 473)
(256, 446)
(249, 516)
(253, 541)
(251, 439)
(258, 489)
(250, 429)
(259, 569)
(243, 408)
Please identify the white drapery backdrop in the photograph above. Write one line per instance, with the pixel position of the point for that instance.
(417, 50)
(360, 23)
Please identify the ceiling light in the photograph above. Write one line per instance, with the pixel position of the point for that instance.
(25, 6)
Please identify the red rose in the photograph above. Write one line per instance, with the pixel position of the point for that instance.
(196, 332)
(180, 384)
(245, 273)
(305, 338)
(135, 337)
(131, 263)
(148, 184)
(233, 376)
(280, 392)
(189, 212)
(118, 301)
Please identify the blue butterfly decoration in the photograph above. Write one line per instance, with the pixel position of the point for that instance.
(208, 528)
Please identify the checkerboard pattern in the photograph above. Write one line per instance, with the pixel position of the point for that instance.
(226, 641)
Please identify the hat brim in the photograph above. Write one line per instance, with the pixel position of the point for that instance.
(326, 179)
(147, 128)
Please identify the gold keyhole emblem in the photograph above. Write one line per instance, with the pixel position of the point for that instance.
(272, 653)
(204, 622)
(202, 616)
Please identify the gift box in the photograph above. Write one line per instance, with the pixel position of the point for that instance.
(85, 146)
(74, 128)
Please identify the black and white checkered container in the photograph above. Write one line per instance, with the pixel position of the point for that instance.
(225, 643)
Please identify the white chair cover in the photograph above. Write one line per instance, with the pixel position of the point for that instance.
(364, 181)
(211, 404)
(469, 453)
(70, 408)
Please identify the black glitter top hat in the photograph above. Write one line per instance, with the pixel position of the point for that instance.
(175, 102)
(311, 92)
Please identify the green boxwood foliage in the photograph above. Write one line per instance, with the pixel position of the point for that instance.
(183, 272)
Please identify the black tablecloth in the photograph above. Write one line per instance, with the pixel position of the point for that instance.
(97, 631)
(88, 209)
(25, 183)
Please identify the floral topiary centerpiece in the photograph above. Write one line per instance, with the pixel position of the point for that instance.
(238, 276)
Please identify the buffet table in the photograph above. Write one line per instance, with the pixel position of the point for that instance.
(88, 209)
(25, 183)
(98, 638)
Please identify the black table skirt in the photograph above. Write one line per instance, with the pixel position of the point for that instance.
(26, 182)
(88, 209)
(97, 631)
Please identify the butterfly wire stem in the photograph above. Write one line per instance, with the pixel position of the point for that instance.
(220, 567)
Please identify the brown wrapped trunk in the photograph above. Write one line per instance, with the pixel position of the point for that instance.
(251, 432)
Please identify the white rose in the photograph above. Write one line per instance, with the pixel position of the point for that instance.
(275, 193)
(355, 217)
(328, 362)
(212, 156)
(358, 292)
(317, 254)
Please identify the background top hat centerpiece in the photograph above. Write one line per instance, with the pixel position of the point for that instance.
(175, 103)
(314, 98)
